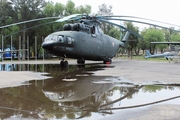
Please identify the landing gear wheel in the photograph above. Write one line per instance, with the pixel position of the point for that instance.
(64, 63)
(108, 61)
(80, 61)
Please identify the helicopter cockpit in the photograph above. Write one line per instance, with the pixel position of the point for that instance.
(59, 39)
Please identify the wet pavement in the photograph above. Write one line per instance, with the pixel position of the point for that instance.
(83, 92)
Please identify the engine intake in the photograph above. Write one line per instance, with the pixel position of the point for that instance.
(77, 27)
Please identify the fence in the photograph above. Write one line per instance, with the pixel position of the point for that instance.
(10, 52)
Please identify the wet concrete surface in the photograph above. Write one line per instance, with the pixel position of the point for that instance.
(124, 90)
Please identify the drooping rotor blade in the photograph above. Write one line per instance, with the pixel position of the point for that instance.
(132, 32)
(28, 21)
(115, 16)
(140, 22)
(28, 28)
(70, 17)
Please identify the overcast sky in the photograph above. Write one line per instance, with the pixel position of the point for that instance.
(160, 10)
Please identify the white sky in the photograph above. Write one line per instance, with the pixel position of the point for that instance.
(160, 10)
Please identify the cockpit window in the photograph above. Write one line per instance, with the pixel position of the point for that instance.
(54, 38)
(70, 93)
(61, 95)
(61, 39)
(69, 40)
(48, 38)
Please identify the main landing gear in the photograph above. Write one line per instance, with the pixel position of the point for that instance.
(107, 61)
(80, 61)
(64, 63)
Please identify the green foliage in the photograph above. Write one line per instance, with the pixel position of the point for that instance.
(59, 9)
(83, 9)
(133, 40)
(167, 35)
(6, 12)
(114, 32)
(152, 88)
(49, 10)
(175, 37)
(70, 7)
(153, 35)
(28, 9)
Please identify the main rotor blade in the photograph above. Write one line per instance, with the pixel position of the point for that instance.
(120, 26)
(140, 22)
(70, 17)
(104, 17)
(33, 20)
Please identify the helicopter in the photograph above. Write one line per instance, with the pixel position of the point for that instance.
(84, 40)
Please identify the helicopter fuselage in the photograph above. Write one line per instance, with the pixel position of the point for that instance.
(82, 45)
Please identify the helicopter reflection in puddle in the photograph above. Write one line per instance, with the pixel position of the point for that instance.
(82, 92)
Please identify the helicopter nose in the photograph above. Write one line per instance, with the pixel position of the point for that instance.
(48, 45)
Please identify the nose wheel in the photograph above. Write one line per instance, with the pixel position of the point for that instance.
(64, 63)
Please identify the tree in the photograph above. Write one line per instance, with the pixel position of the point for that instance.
(49, 10)
(6, 12)
(59, 9)
(114, 32)
(6, 17)
(27, 10)
(153, 35)
(105, 10)
(83, 9)
(133, 40)
(70, 8)
(175, 37)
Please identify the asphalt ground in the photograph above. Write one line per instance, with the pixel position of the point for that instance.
(138, 72)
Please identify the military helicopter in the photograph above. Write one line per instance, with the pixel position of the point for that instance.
(84, 40)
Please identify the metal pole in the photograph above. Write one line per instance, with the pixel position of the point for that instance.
(19, 54)
(43, 75)
(36, 47)
(2, 47)
(43, 49)
(11, 49)
(28, 47)
(23, 43)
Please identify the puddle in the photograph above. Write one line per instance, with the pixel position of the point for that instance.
(74, 92)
